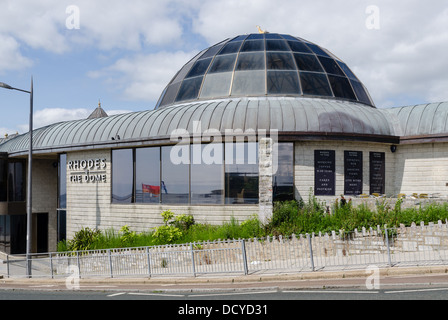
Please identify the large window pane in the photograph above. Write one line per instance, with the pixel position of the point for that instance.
(199, 68)
(62, 182)
(122, 176)
(217, 85)
(315, 84)
(207, 177)
(16, 181)
(249, 83)
(286, 82)
(3, 179)
(280, 61)
(147, 175)
(276, 45)
(223, 63)
(307, 62)
(297, 46)
(331, 66)
(189, 89)
(255, 45)
(241, 173)
(251, 61)
(283, 178)
(341, 87)
(175, 174)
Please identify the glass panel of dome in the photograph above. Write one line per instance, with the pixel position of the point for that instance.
(347, 71)
(286, 82)
(199, 68)
(331, 66)
(249, 83)
(213, 50)
(315, 84)
(317, 50)
(341, 87)
(360, 92)
(298, 46)
(307, 62)
(288, 37)
(276, 45)
(280, 61)
(170, 94)
(239, 38)
(255, 36)
(231, 47)
(223, 63)
(254, 45)
(251, 61)
(272, 36)
(217, 85)
(189, 89)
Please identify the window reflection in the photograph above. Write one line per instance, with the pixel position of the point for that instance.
(147, 175)
(241, 173)
(283, 178)
(122, 176)
(16, 181)
(207, 180)
(174, 186)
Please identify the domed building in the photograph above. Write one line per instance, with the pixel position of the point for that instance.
(251, 120)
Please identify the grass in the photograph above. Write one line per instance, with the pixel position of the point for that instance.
(290, 217)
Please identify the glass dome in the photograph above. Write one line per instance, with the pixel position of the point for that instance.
(269, 64)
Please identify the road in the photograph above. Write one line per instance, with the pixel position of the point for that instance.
(397, 293)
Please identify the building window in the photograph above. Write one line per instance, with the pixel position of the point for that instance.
(207, 174)
(283, 178)
(16, 181)
(175, 174)
(62, 199)
(122, 176)
(3, 180)
(147, 175)
(241, 173)
(189, 174)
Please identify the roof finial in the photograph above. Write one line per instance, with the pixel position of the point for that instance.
(99, 103)
(261, 31)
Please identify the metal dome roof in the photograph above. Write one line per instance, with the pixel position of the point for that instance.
(258, 65)
(304, 117)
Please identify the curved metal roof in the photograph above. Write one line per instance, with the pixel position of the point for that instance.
(421, 120)
(287, 115)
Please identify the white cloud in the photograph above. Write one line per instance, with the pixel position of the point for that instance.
(143, 77)
(11, 58)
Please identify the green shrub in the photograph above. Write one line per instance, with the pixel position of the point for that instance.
(83, 239)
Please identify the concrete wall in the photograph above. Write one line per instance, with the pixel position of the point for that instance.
(304, 166)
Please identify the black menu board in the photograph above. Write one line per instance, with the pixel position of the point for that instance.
(377, 172)
(352, 172)
(324, 172)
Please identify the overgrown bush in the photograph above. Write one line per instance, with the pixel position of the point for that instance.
(83, 239)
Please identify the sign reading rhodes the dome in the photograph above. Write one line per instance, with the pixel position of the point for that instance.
(87, 171)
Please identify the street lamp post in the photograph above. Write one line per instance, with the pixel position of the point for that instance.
(29, 207)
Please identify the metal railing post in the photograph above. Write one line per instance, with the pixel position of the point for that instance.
(192, 259)
(79, 264)
(148, 258)
(51, 266)
(311, 252)
(388, 246)
(110, 263)
(7, 265)
(243, 252)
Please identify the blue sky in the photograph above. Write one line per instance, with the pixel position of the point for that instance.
(125, 52)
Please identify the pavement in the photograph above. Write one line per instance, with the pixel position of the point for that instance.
(435, 276)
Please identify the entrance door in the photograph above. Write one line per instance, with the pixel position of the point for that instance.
(42, 232)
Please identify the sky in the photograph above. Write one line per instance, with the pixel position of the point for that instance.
(124, 53)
